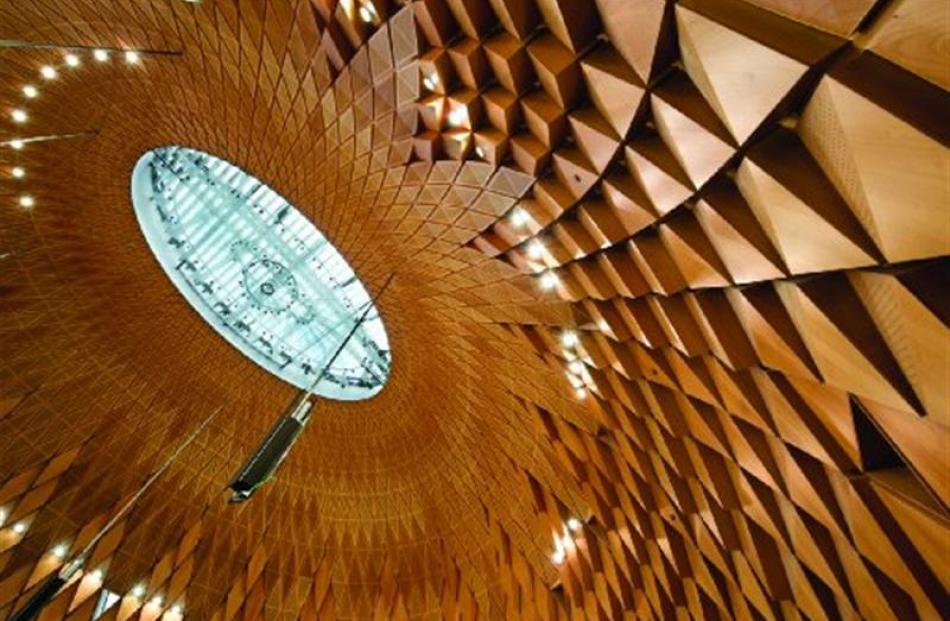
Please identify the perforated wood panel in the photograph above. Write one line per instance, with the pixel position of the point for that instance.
(738, 207)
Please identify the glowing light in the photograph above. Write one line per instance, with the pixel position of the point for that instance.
(574, 524)
(157, 601)
(59, 551)
(519, 217)
(100, 55)
(558, 557)
(535, 249)
(367, 13)
(27, 201)
(72, 60)
(30, 91)
(603, 326)
(576, 366)
(3, 516)
(17, 172)
(96, 575)
(19, 528)
(48, 72)
(18, 115)
(569, 338)
(16, 144)
(132, 57)
(431, 81)
(480, 152)
(458, 115)
(575, 381)
(176, 610)
(549, 280)
(137, 591)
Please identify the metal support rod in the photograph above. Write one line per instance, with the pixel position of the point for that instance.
(15, 43)
(51, 586)
(370, 306)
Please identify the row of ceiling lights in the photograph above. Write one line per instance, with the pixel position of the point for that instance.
(20, 116)
(565, 543)
(97, 575)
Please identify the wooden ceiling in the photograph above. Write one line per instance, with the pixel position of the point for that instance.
(743, 206)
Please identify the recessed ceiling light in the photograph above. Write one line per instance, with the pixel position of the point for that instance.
(72, 60)
(18, 115)
(137, 591)
(457, 115)
(101, 55)
(27, 201)
(535, 249)
(574, 524)
(16, 144)
(19, 528)
(48, 72)
(18, 172)
(569, 338)
(519, 217)
(549, 280)
(30, 91)
(132, 57)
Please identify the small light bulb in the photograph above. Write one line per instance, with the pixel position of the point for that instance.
(17, 172)
(519, 217)
(569, 338)
(156, 601)
(137, 591)
(100, 55)
(176, 610)
(96, 575)
(132, 57)
(580, 393)
(558, 557)
(480, 152)
(574, 524)
(19, 528)
(535, 249)
(367, 13)
(549, 280)
(72, 60)
(457, 116)
(27, 201)
(431, 81)
(59, 551)
(576, 367)
(602, 325)
(16, 144)
(18, 115)
(48, 72)
(30, 91)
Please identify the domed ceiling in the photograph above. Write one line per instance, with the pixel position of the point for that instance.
(668, 316)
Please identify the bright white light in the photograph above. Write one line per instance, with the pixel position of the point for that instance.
(558, 557)
(576, 366)
(18, 115)
(519, 217)
(480, 152)
(535, 249)
(3, 516)
(549, 280)
(30, 91)
(59, 551)
(569, 338)
(100, 55)
(575, 381)
(48, 72)
(457, 116)
(431, 81)
(137, 591)
(16, 144)
(132, 57)
(156, 601)
(19, 528)
(72, 60)
(367, 13)
(27, 201)
(574, 524)
(96, 575)
(176, 610)
(17, 172)
(602, 325)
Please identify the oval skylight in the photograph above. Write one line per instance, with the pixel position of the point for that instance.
(259, 272)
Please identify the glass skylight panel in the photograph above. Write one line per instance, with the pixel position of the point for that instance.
(259, 272)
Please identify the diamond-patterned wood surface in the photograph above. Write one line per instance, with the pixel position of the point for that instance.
(739, 207)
